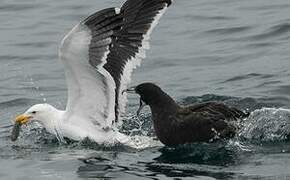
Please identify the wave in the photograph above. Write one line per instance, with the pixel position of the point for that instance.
(229, 30)
(273, 31)
(18, 7)
(249, 76)
(27, 57)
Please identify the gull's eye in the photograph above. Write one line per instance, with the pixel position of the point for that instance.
(33, 112)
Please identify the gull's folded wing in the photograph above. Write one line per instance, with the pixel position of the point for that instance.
(99, 55)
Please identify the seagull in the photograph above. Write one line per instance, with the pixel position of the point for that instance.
(98, 55)
(175, 125)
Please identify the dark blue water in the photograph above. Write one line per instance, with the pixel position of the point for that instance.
(224, 50)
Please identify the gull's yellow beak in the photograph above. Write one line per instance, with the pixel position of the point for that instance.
(19, 121)
(22, 119)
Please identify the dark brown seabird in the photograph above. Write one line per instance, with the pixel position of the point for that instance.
(175, 125)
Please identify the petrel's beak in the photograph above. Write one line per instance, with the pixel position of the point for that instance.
(141, 106)
(130, 90)
(19, 121)
(133, 91)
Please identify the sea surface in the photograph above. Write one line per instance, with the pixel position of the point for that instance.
(237, 52)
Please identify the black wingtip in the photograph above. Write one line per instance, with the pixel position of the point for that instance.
(169, 2)
(99, 16)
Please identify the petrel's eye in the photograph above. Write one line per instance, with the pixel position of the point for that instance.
(33, 112)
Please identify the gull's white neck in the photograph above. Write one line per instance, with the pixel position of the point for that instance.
(51, 119)
(58, 123)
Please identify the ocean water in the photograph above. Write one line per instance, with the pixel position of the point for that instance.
(236, 52)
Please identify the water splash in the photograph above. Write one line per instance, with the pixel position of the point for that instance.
(267, 124)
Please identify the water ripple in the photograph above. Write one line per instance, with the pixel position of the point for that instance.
(229, 30)
(266, 7)
(28, 58)
(17, 102)
(35, 44)
(248, 76)
(208, 18)
(18, 7)
(274, 31)
(283, 90)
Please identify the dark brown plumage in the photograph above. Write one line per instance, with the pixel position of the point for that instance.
(176, 125)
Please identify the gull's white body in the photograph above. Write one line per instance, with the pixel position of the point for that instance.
(55, 122)
(90, 111)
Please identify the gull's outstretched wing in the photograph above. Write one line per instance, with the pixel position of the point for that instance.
(130, 43)
(99, 55)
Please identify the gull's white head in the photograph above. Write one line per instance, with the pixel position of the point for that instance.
(38, 112)
(43, 113)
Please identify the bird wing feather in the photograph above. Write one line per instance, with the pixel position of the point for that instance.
(99, 55)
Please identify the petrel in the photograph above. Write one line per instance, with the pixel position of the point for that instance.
(175, 124)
